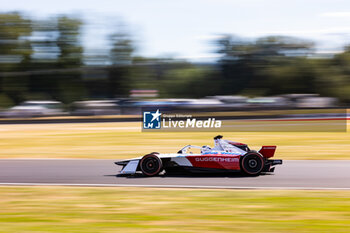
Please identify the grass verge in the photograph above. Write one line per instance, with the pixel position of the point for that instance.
(67, 209)
(124, 140)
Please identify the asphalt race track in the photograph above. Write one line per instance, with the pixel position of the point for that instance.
(316, 174)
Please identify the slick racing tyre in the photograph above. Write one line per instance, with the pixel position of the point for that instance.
(252, 163)
(151, 164)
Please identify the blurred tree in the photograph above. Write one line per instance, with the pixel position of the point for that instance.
(237, 64)
(292, 75)
(5, 101)
(334, 77)
(45, 57)
(190, 81)
(57, 46)
(15, 54)
(122, 48)
(283, 46)
(121, 60)
(266, 65)
(70, 84)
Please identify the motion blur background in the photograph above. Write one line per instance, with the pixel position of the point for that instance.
(225, 55)
(74, 62)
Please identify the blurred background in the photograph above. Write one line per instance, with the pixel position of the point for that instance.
(84, 62)
(108, 58)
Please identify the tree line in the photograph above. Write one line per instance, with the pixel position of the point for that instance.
(45, 59)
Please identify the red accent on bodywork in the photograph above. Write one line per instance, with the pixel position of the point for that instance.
(229, 162)
(267, 151)
(236, 143)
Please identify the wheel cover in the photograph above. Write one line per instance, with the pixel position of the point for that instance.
(150, 165)
(252, 164)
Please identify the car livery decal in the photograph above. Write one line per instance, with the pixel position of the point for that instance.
(221, 161)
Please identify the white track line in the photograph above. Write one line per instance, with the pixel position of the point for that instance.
(174, 186)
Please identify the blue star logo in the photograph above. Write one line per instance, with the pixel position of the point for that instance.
(151, 120)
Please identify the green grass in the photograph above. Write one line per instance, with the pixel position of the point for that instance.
(125, 140)
(66, 209)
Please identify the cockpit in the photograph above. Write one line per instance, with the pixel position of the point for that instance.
(220, 145)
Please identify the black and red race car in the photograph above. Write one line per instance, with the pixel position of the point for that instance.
(225, 156)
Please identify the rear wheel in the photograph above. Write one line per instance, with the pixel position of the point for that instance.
(151, 164)
(252, 163)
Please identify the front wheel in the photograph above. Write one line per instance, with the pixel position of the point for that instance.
(151, 164)
(252, 163)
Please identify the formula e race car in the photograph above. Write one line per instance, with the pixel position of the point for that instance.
(226, 156)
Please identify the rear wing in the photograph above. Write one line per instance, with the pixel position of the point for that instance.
(268, 151)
